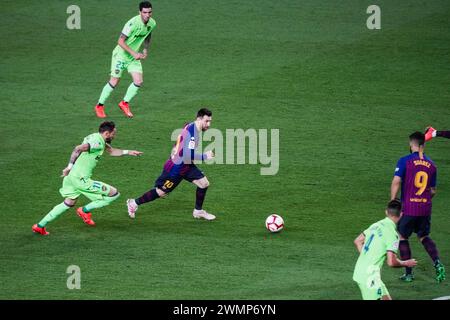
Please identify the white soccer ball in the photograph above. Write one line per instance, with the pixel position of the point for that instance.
(274, 223)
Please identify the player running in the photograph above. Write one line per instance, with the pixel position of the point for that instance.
(126, 55)
(180, 166)
(77, 177)
(431, 132)
(375, 244)
(416, 175)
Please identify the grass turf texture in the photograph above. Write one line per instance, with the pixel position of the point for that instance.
(344, 97)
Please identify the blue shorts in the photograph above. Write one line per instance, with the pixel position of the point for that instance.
(420, 225)
(169, 180)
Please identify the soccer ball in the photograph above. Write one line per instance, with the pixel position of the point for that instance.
(274, 223)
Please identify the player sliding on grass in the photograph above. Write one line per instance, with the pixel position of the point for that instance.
(126, 55)
(376, 243)
(180, 166)
(77, 177)
(416, 174)
(431, 132)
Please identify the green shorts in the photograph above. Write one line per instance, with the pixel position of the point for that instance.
(119, 63)
(373, 291)
(73, 187)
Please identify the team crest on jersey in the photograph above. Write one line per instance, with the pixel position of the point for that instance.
(192, 143)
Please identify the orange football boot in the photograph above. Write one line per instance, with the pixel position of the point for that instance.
(42, 230)
(85, 216)
(125, 108)
(100, 111)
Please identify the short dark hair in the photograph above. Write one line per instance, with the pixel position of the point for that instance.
(394, 208)
(417, 137)
(204, 112)
(144, 4)
(106, 126)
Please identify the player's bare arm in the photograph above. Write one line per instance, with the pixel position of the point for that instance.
(395, 186)
(395, 262)
(119, 152)
(147, 42)
(74, 156)
(359, 242)
(125, 47)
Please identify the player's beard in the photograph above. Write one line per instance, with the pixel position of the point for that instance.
(108, 140)
(410, 150)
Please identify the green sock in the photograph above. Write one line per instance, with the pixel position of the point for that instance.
(53, 214)
(100, 203)
(107, 89)
(131, 92)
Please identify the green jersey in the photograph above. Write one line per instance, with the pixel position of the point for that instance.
(380, 237)
(87, 160)
(137, 32)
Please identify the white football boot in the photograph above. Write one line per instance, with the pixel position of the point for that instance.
(203, 214)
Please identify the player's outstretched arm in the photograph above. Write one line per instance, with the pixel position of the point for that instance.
(74, 156)
(395, 262)
(119, 152)
(359, 242)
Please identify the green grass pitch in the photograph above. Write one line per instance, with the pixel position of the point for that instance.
(344, 98)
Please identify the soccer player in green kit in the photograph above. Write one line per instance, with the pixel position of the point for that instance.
(375, 244)
(77, 177)
(126, 55)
